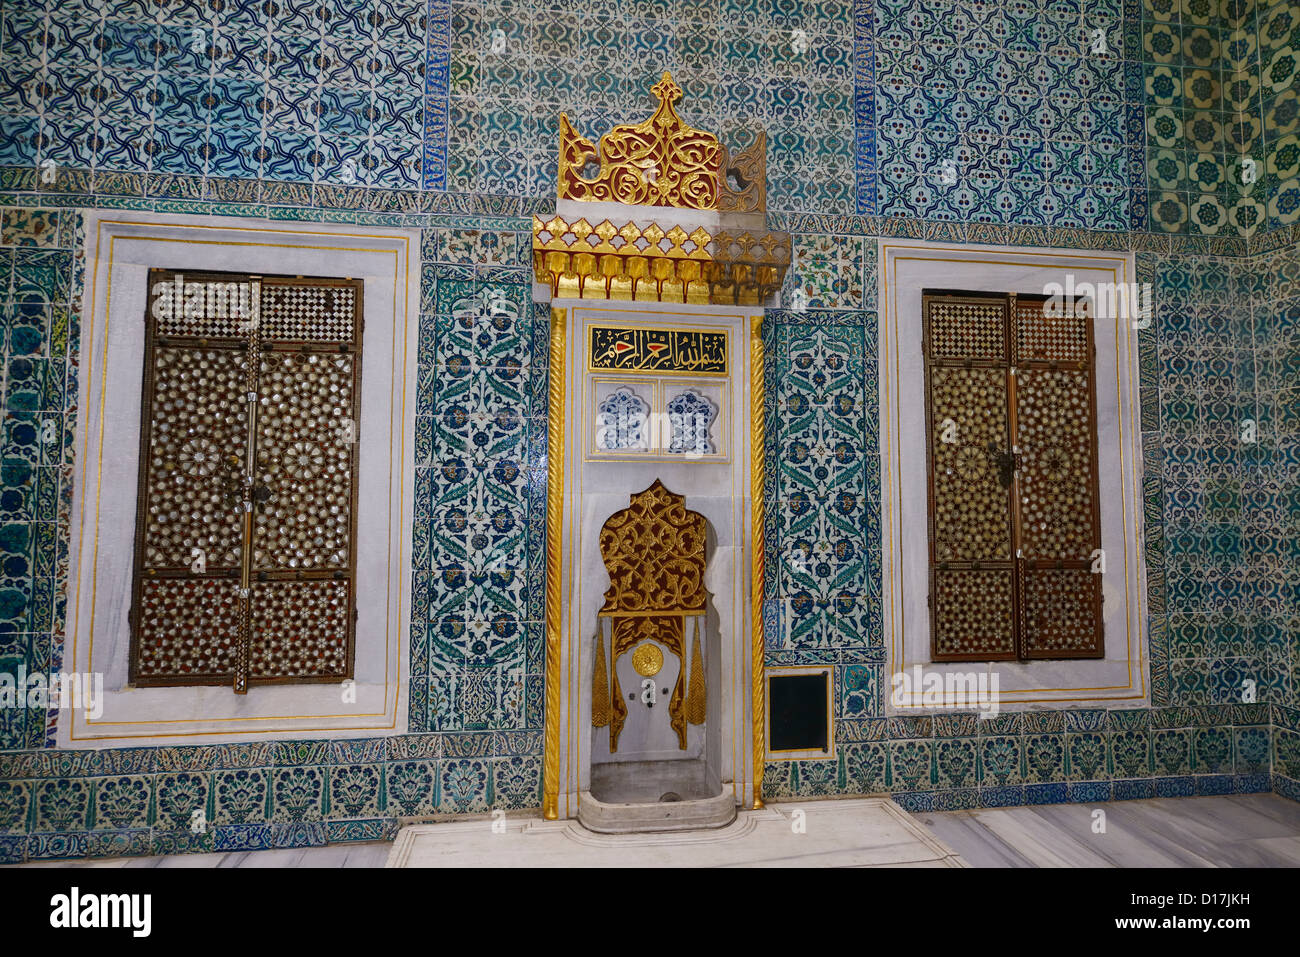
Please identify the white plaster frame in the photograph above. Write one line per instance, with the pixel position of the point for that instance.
(120, 248)
(906, 267)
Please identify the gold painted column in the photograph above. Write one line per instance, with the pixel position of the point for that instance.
(757, 454)
(554, 531)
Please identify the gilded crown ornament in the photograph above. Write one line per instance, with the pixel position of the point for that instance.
(662, 163)
(658, 162)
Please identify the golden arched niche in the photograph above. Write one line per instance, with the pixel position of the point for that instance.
(654, 551)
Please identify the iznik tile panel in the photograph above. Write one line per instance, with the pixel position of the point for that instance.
(1195, 183)
(326, 90)
(1001, 112)
(476, 665)
(38, 347)
(742, 64)
(1278, 118)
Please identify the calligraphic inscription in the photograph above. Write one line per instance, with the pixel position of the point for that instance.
(629, 349)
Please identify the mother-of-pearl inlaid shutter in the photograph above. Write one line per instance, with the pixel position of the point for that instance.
(246, 521)
(1014, 527)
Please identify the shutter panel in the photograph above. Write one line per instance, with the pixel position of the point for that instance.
(972, 563)
(1055, 416)
(1013, 510)
(304, 529)
(193, 443)
(275, 518)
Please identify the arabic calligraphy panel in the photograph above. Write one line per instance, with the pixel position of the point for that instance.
(640, 350)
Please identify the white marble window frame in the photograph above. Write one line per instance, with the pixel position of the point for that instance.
(1121, 678)
(120, 248)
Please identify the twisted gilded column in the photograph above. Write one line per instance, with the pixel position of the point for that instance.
(554, 530)
(757, 412)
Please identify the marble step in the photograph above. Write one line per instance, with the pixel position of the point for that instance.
(607, 817)
(873, 832)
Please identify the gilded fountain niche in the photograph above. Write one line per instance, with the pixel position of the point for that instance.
(657, 265)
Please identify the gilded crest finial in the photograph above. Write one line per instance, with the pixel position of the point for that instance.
(666, 90)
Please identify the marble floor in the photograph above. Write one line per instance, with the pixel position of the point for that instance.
(873, 832)
(336, 855)
(1230, 831)
(1246, 830)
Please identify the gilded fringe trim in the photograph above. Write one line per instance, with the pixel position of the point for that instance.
(600, 686)
(618, 709)
(695, 696)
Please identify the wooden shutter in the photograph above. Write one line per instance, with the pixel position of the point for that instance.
(1059, 519)
(249, 442)
(1013, 511)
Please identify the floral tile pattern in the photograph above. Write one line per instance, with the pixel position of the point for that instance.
(1225, 451)
(1277, 121)
(36, 267)
(324, 91)
(479, 521)
(1184, 751)
(1220, 115)
(742, 65)
(1002, 113)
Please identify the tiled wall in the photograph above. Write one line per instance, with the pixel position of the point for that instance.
(1102, 114)
(478, 599)
(1271, 499)
(1189, 156)
(1266, 63)
(1221, 589)
(322, 91)
(957, 761)
(1003, 112)
(863, 101)
(743, 64)
(251, 796)
(823, 468)
(39, 382)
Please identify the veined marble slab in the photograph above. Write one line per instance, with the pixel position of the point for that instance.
(1248, 830)
(334, 855)
(865, 833)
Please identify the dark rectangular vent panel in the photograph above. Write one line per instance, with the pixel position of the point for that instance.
(798, 712)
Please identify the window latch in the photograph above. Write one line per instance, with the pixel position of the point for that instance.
(1004, 460)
